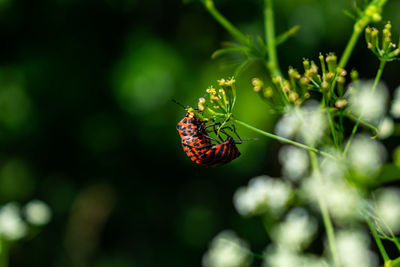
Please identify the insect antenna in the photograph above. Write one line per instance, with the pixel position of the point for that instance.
(176, 102)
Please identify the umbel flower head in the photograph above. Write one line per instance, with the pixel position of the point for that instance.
(219, 102)
(384, 49)
(326, 78)
(262, 194)
(227, 250)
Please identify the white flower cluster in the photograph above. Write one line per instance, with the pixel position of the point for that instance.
(395, 108)
(353, 249)
(296, 231)
(262, 194)
(367, 101)
(385, 128)
(278, 256)
(388, 209)
(294, 162)
(330, 186)
(12, 225)
(227, 250)
(366, 155)
(307, 124)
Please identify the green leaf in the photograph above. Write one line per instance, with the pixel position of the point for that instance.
(242, 67)
(228, 50)
(349, 14)
(260, 41)
(389, 173)
(284, 36)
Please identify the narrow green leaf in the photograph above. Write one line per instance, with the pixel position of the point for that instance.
(284, 36)
(242, 67)
(228, 50)
(349, 14)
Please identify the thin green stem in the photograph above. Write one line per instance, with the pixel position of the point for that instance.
(324, 211)
(350, 46)
(353, 132)
(269, 26)
(379, 74)
(359, 26)
(284, 140)
(392, 239)
(238, 35)
(331, 124)
(378, 242)
(3, 253)
(394, 263)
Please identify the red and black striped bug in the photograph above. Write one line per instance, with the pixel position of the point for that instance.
(197, 143)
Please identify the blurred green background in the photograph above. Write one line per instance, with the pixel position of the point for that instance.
(88, 126)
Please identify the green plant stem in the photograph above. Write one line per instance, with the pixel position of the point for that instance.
(269, 26)
(392, 239)
(284, 140)
(378, 242)
(353, 132)
(324, 211)
(350, 46)
(3, 253)
(393, 263)
(331, 124)
(358, 28)
(238, 35)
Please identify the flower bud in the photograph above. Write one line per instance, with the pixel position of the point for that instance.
(341, 103)
(268, 92)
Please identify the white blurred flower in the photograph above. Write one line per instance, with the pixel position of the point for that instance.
(353, 250)
(333, 168)
(342, 199)
(12, 227)
(388, 209)
(288, 125)
(314, 261)
(385, 128)
(294, 162)
(307, 123)
(297, 231)
(278, 256)
(227, 250)
(37, 212)
(365, 102)
(366, 155)
(313, 123)
(395, 108)
(262, 193)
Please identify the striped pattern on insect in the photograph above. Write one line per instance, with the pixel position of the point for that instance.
(197, 143)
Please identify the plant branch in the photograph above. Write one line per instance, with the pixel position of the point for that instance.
(353, 132)
(3, 253)
(269, 26)
(284, 140)
(378, 242)
(238, 35)
(371, 12)
(324, 211)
